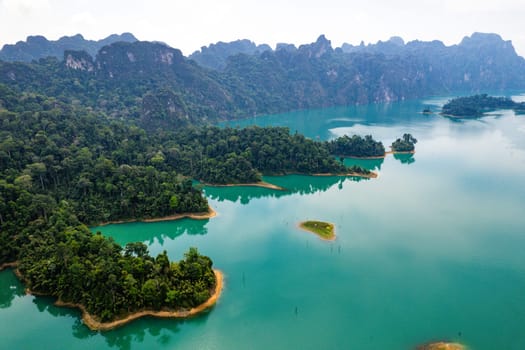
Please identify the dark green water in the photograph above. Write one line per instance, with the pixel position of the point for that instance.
(433, 249)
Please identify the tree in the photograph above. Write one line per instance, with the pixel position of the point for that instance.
(404, 145)
(39, 169)
(137, 249)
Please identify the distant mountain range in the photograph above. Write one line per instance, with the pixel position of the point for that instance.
(215, 56)
(158, 87)
(37, 47)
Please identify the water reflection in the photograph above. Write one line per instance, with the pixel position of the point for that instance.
(404, 158)
(319, 123)
(293, 184)
(165, 230)
(370, 164)
(144, 330)
(10, 288)
(163, 331)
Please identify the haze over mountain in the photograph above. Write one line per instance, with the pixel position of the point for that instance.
(156, 86)
(215, 55)
(36, 47)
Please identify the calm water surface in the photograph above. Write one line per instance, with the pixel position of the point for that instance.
(433, 249)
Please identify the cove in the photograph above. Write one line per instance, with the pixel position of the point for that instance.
(430, 250)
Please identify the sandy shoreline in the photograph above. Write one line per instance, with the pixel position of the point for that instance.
(383, 156)
(365, 158)
(263, 184)
(8, 265)
(96, 325)
(401, 152)
(196, 216)
(371, 175)
(251, 184)
(300, 226)
(441, 346)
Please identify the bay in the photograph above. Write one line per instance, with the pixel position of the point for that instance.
(430, 250)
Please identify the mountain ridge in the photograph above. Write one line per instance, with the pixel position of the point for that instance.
(157, 86)
(36, 47)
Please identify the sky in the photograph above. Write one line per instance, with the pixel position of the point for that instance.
(190, 24)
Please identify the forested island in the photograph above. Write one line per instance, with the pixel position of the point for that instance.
(404, 145)
(64, 166)
(475, 106)
(368, 148)
(357, 147)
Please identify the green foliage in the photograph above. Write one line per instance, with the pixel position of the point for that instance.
(62, 258)
(477, 105)
(356, 146)
(107, 171)
(62, 167)
(228, 155)
(406, 144)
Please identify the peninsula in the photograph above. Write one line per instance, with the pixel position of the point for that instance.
(178, 216)
(112, 285)
(367, 174)
(94, 323)
(323, 230)
(262, 184)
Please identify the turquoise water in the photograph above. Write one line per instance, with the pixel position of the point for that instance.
(433, 249)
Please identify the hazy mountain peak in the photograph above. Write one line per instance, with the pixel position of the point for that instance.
(285, 47)
(74, 37)
(37, 46)
(124, 59)
(396, 40)
(31, 39)
(481, 37)
(492, 45)
(216, 55)
(317, 49)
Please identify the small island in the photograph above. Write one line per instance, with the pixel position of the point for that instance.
(356, 147)
(367, 148)
(323, 230)
(404, 145)
(441, 346)
(477, 105)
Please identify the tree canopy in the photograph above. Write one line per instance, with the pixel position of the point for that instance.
(356, 146)
(405, 144)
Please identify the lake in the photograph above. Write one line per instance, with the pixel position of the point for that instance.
(432, 249)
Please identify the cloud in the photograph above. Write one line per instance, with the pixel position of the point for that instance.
(84, 19)
(24, 7)
(469, 6)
